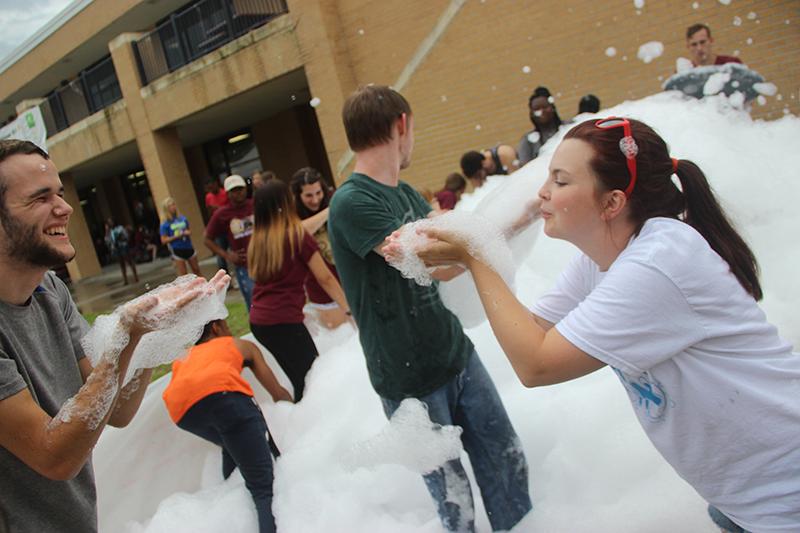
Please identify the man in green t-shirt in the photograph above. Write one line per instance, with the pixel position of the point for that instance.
(414, 346)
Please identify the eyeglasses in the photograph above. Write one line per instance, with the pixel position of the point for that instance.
(627, 145)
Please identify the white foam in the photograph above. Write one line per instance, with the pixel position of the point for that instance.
(767, 89)
(683, 65)
(585, 448)
(716, 82)
(174, 330)
(650, 51)
(483, 236)
(410, 440)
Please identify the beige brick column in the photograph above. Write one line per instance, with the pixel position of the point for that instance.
(85, 263)
(328, 70)
(160, 151)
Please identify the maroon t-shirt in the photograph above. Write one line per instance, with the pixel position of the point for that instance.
(721, 60)
(281, 299)
(316, 294)
(236, 223)
(447, 199)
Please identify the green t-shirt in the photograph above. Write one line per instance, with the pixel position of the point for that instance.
(412, 342)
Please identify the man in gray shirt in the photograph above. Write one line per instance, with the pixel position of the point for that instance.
(45, 446)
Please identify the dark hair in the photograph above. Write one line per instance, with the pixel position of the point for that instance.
(471, 163)
(455, 182)
(308, 176)
(543, 92)
(370, 113)
(9, 147)
(537, 92)
(656, 195)
(206, 335)
(694, 28)
(589, 104)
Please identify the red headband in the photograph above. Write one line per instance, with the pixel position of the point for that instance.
(674, 166)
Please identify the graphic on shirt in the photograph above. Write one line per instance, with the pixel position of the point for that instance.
(177, 227)
(647, 395)
(241, 227)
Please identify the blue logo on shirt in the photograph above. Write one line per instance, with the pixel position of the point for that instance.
(647, 395)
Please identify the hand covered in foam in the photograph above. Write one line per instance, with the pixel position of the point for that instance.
(445, 248)
(469, 234)
(169, 319)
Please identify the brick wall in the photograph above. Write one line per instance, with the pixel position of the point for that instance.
(471, 91)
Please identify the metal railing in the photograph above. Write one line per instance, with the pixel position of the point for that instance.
(94, 89)
(197, 30)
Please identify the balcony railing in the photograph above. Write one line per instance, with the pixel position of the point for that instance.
(94, 89)
(197, 30)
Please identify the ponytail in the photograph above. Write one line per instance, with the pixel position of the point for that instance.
(704, 214)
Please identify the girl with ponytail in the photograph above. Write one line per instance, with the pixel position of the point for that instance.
(665, 292)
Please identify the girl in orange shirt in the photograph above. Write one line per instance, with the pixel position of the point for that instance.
(208, 396)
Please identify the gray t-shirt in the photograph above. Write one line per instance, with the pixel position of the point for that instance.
(39, 350)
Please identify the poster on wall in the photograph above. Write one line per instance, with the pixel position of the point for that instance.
(27, 126)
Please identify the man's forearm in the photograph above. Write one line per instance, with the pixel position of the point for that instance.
(71, 434)
(130, 398)
(211, 245)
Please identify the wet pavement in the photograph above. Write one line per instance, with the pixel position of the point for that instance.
(104, 292)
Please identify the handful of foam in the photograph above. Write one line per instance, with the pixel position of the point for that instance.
(174, 329)
(483, 238)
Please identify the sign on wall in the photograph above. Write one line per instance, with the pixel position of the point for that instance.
(28, 126)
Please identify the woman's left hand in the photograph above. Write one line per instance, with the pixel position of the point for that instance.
(447, 249)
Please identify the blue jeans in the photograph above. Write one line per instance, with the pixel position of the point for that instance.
(470, 400)
(245, 285)
(723, 522)
(234, 421)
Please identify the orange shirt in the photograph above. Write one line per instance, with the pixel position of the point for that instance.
(213, 366)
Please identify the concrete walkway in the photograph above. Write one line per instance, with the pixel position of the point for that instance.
(104, 292)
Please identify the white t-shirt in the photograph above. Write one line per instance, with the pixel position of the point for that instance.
(714, 386)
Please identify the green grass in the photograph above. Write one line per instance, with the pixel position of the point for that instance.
(238, 322)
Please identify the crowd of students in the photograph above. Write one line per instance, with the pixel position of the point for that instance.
(664, 290)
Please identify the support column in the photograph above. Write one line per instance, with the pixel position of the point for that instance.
(160, 151)
(85, 263)
(328, 70)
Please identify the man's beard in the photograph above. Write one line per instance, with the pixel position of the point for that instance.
(25, 244)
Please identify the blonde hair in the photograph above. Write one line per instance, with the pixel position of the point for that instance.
(169, 200)
(275, 223)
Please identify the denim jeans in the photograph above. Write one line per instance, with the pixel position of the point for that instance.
(245, 285)
(470, 400)
(234, 421)
(723, 522)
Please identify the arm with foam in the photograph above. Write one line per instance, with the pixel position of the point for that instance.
(58, 447)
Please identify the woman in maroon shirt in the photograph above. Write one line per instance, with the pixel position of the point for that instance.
(311, 198)
(280, 257)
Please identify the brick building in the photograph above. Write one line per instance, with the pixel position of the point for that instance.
(145, 99)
